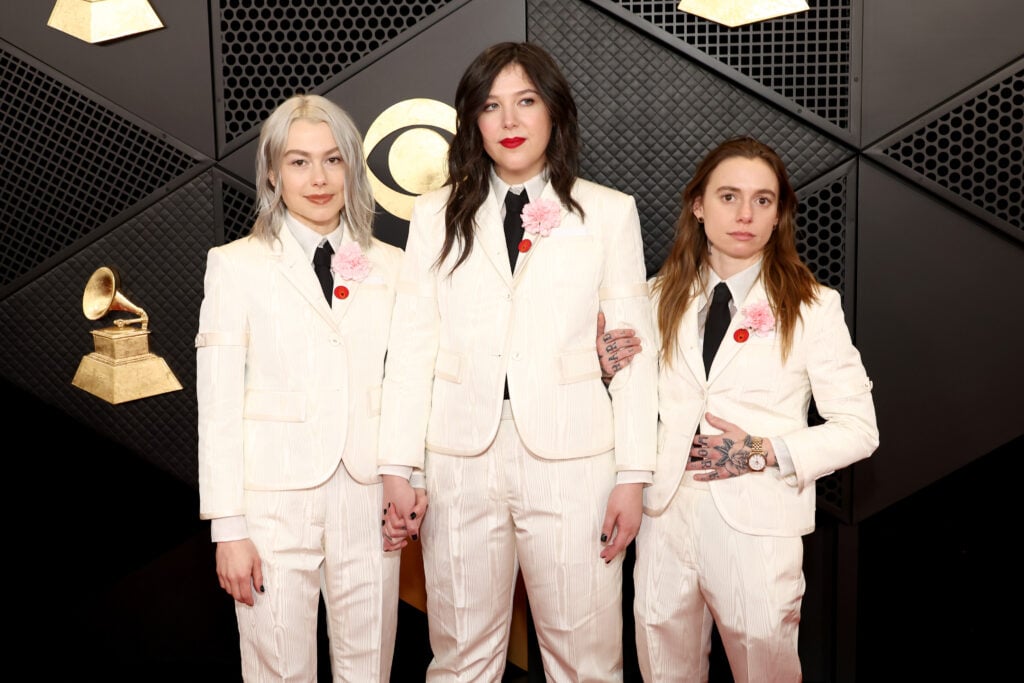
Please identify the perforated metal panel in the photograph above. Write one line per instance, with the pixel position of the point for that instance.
(826, 224)
(238, 204)
(648, 114)
(824, 219)
(974, 150)
(270, 51)
(58, 143)
(805, 57)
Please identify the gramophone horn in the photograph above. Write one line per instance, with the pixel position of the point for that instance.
(102, 295)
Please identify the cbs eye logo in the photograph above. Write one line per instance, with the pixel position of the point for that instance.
(406, 152)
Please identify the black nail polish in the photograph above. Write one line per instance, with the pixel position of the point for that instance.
(385, 511)
(415, 537)
(604, 537)
(262, 589)
(412, 515)
(382, 522)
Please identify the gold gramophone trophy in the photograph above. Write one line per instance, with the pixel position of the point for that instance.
(121, 368)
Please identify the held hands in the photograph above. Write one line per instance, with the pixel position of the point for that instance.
(239, 569)
(621, 519)
(615, 348)
(403, 512)
(725, 455)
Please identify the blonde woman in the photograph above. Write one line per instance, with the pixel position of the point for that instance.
(289, 371)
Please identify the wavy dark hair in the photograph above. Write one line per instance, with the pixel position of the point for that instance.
(468, 163)
(787, 279)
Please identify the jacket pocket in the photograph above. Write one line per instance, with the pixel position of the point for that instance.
(448, 366)
(576, 366)
(277, 406)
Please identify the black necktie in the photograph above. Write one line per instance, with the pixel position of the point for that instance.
(322, 266)
(717, 323)
(514, 204)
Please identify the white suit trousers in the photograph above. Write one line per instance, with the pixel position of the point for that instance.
(492, 513)
(691, 567)
(325, 539)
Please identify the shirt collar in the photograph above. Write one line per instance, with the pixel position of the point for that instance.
(310, 239)
(739, 284)
(534, 186)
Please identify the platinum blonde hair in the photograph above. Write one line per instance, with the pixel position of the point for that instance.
(359, 208)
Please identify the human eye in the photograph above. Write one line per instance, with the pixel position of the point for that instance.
(528, 101)
(335, 160)
(490, 106)
(727, 196)
(764, 201)
(297, 161)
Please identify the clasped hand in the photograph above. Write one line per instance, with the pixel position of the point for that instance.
(403, 512)
(720, 456)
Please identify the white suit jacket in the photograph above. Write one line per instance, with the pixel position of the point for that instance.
(454, 337)
(750, 387)
(287, 385)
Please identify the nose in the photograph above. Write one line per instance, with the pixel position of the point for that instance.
(319, 175)
(746, 213)
(510, 120)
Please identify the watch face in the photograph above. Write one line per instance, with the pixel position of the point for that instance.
(756, 462)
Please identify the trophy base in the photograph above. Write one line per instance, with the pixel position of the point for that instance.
(122, 369)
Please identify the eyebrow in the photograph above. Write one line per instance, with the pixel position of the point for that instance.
(303, 152)
(729, 188)
(519, 93)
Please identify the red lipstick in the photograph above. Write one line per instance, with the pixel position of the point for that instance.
(512, 143)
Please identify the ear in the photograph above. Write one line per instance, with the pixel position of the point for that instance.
(698, 208)
(272, 178)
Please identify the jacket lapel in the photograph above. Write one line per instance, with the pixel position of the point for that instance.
(490, 233)
(291, 263)
(730, 347)
(688, 341)
(536, 240)
(341, 307)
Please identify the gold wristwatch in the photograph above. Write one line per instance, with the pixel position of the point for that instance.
(757, 461)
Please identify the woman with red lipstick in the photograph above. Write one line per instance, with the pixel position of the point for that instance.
(734, 486)
(493, 385)
(290, 355)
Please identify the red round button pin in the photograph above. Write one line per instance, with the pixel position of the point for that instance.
(524, 246)
(341, 291)
(741, 335)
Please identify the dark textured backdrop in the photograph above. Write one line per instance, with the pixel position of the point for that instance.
(902, 125)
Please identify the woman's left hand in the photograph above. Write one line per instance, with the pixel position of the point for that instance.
(720, 456)
(615, 348)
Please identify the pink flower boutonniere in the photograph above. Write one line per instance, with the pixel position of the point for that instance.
(541, 216)
(758, 318)
(350, 263)
(539, 219)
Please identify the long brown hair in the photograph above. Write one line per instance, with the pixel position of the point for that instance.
(787, 280)
(468, 164)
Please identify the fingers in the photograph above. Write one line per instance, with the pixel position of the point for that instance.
(618, 545)
(257, 578)
(394, 528)
(720, 424)
(600, 324)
